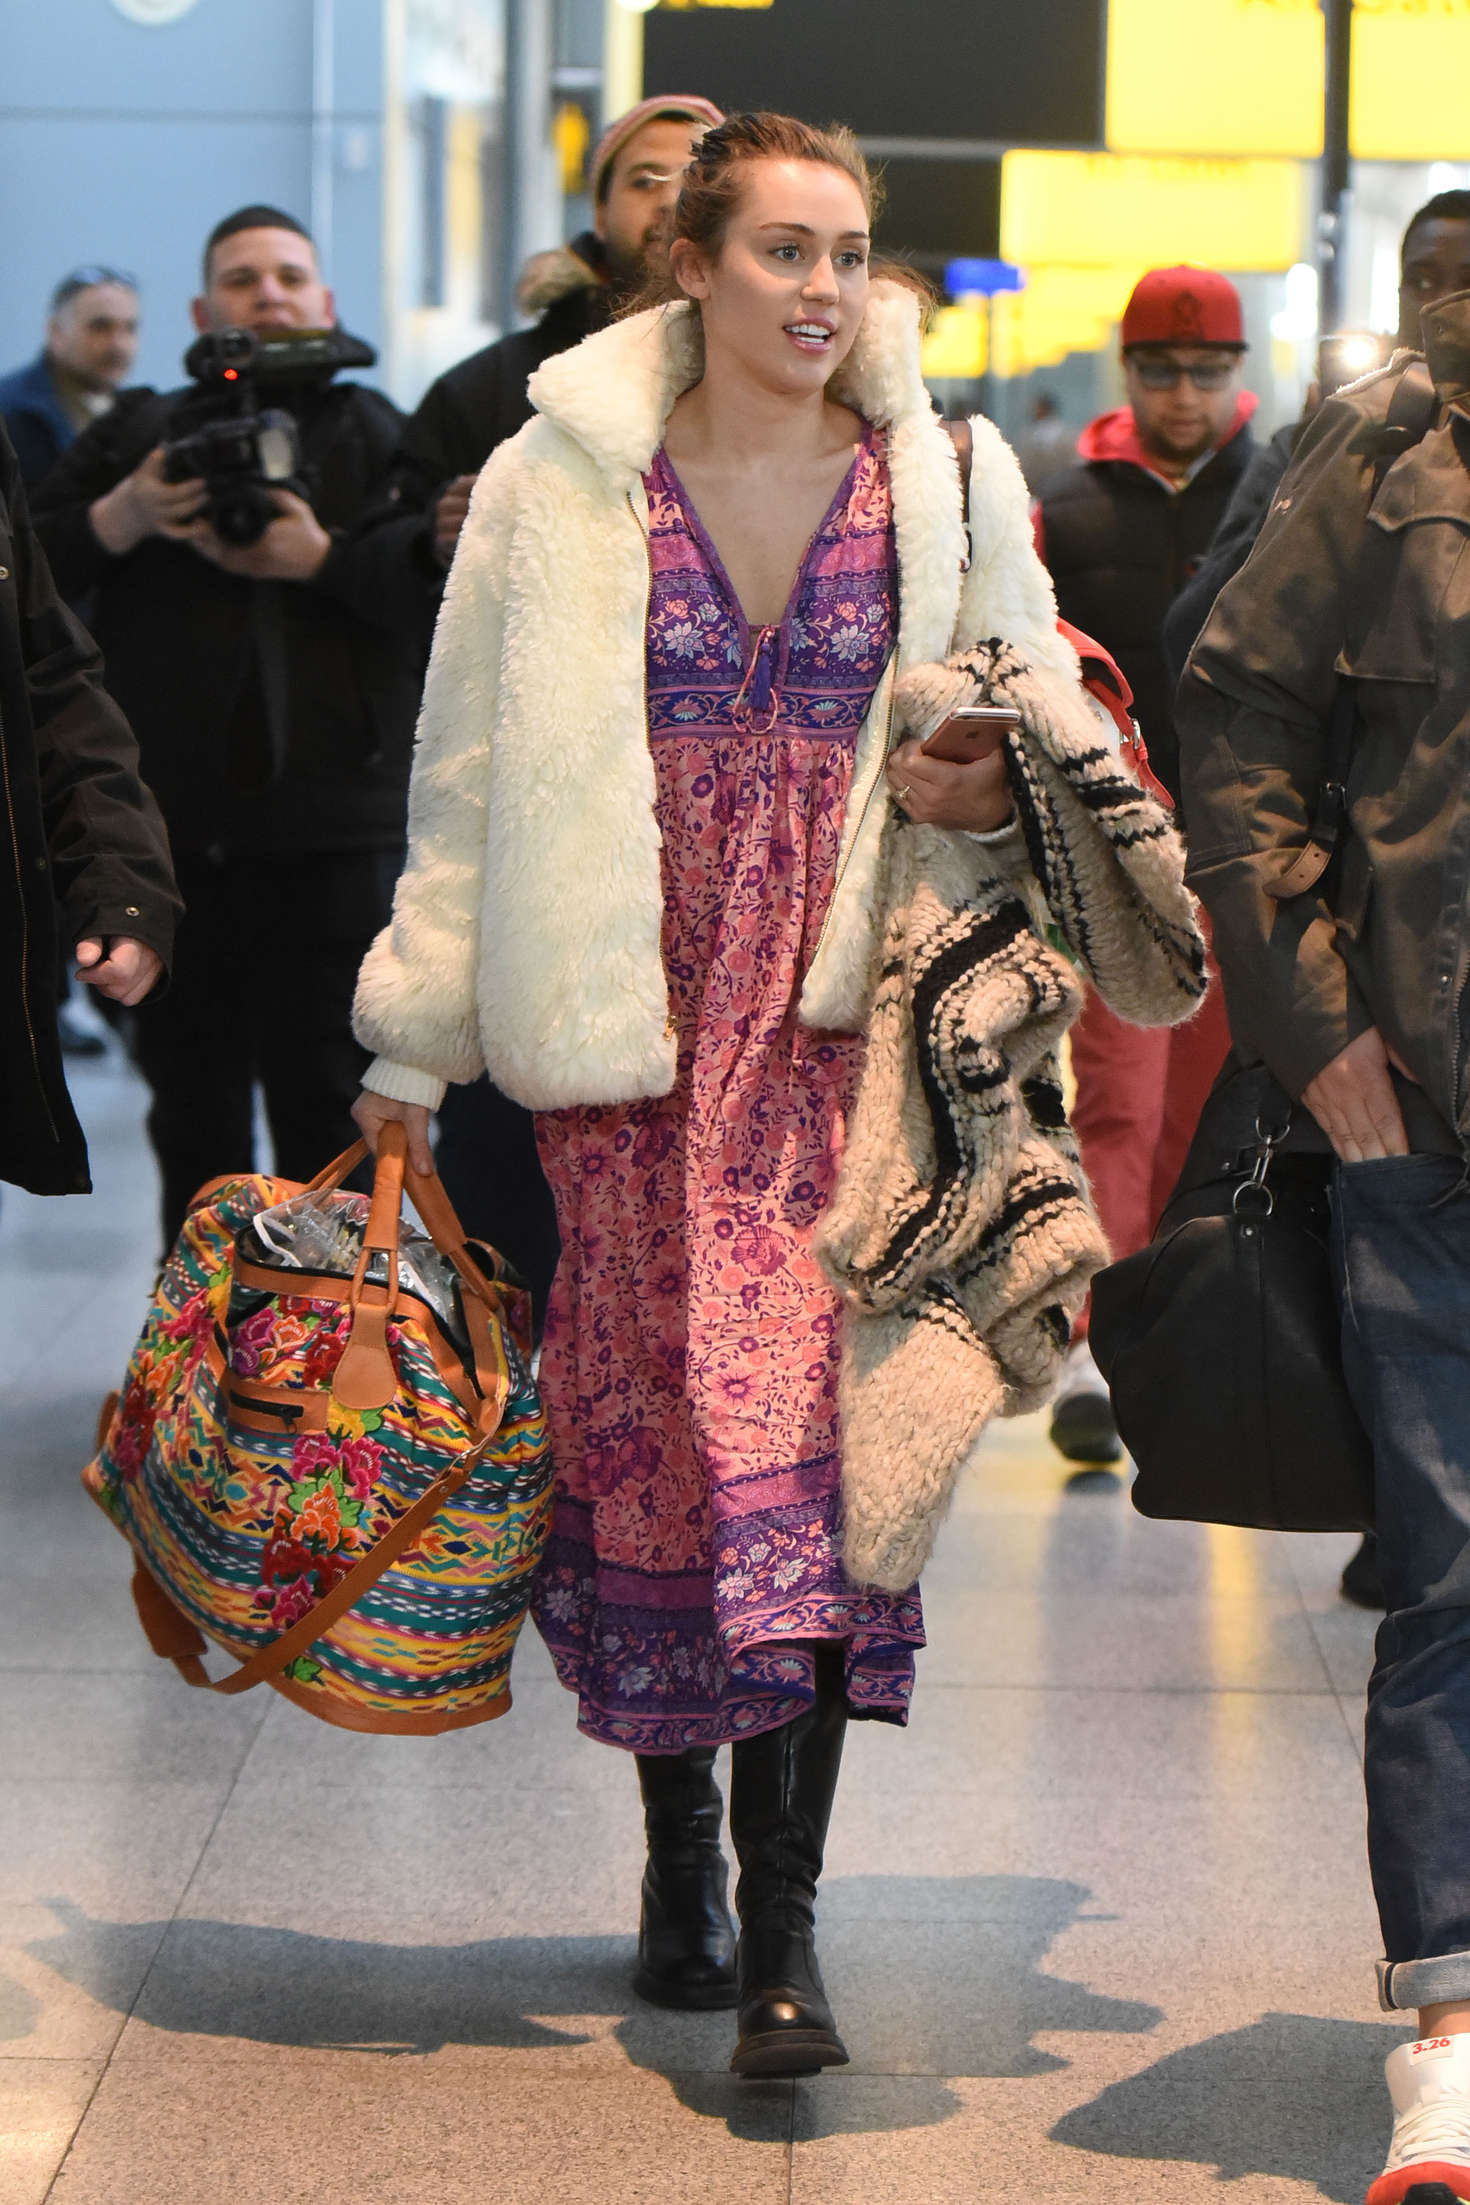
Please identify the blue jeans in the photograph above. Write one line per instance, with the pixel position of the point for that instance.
(1401, 1249)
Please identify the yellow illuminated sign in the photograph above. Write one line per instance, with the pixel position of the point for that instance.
(1252, 81)
(1061, 310)
(957, 345)
(571, 135)
(1107, 209)
(1411, 80)
(1215, 76)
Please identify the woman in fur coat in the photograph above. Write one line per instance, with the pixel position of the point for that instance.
(645, 817)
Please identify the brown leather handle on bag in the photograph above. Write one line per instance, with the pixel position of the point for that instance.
(365, 1376)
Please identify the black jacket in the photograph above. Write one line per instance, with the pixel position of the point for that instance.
(34, 419)
(1120, 546)
(475, 406)
(1230, 546)
(182, 642)
(84, 853)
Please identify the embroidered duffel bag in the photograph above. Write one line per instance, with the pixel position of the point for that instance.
(329, 1455)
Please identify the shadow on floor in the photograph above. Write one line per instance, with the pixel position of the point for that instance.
(932, 1977)
(20, 2011)
(944, 1975)
(1293, 2096)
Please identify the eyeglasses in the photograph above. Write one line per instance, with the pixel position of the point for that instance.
(1157, 374)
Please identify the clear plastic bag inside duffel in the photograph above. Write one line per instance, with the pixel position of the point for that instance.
(322, 1230)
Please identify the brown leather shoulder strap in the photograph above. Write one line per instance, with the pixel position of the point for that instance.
(962, 436)
(173, 1635)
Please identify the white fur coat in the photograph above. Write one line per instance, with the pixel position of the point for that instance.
(525, 936)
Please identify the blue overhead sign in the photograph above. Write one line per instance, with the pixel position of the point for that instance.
(982, 278)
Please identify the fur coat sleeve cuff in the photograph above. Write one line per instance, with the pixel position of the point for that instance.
(404, 1083)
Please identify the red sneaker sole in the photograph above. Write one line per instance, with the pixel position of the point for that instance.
(1438, 2179)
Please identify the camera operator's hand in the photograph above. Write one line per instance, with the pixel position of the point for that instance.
(144, 505)
(126, 972)
(292, 549)
(449, 516)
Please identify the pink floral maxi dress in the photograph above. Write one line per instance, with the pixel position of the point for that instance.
(692, 1343)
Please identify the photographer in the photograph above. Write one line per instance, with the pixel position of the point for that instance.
(273, 694)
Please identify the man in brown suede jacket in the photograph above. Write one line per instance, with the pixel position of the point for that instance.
(1356, 993)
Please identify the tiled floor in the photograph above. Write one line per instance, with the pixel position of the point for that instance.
(1097, 1928)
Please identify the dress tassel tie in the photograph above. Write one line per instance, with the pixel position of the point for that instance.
(756, 707)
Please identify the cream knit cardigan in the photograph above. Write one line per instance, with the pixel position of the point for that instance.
(525, 936)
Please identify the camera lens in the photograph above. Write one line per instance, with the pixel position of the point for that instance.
(242, 516)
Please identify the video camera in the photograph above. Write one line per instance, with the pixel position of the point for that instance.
(240, 449)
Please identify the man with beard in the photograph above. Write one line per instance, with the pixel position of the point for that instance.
(635, 175)
(487, 1148)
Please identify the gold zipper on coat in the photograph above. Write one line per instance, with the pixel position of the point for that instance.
(670, 1029)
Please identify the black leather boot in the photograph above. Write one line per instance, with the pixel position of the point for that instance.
(781, 1791)
(686, 1939)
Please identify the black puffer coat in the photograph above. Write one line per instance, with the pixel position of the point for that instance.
(181, 643)
(83, 850)
(1120, 546)
(473, 407)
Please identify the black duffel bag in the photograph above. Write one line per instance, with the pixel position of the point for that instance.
(1221, 1339)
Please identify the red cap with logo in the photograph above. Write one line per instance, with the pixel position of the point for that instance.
(1183, 306)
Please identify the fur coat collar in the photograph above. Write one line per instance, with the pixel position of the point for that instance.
(527, 924)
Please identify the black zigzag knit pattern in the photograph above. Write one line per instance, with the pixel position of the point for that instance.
(960, 1235)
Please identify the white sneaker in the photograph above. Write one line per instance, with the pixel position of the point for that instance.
(1082, 1426)
(1429, 2157)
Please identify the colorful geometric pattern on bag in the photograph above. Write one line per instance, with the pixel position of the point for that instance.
(249, 1491)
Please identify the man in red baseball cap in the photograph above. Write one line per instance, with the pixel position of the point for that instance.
(1122, 532)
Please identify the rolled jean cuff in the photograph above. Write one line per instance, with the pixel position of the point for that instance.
(1443, 1981)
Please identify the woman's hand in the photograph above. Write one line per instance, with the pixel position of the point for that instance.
(974, 798)
(372, 1112)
